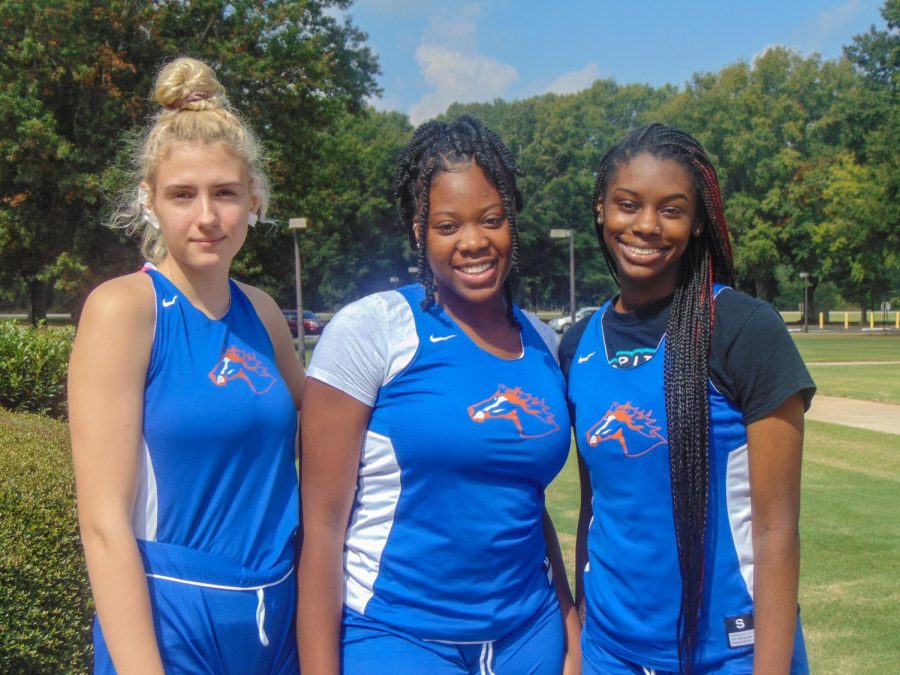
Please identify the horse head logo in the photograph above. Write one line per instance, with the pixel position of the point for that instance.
(237, 364)
(530, 415)
(634, 429)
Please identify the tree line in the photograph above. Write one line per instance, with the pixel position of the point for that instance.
(806, 151)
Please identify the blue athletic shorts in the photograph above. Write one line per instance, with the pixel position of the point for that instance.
(597, 660)
(534, 648)
(213, 617)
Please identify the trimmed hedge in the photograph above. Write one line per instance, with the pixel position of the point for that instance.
(33, 367)
(45, 601)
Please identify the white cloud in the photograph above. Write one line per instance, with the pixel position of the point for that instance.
(828, 20)
(456, 77)
(576, 80)
(457, 28)
(393, 7)
(385, 103)
(815, 32)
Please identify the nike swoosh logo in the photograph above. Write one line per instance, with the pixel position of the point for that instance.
(441, 338)
(169, 303)
(584, 359)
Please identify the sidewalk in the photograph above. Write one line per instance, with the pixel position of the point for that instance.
(851, 412)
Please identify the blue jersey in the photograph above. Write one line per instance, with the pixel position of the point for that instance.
(217, 470)
(217, 505)
(632, 582)
(445, 539)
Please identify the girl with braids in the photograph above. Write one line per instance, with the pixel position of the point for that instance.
(183, 396)
(434, 418)
(688, 401)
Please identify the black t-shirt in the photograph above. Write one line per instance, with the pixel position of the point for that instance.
(753, 360)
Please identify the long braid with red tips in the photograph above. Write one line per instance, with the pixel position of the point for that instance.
(707, 260)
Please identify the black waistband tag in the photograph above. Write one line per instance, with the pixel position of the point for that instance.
(739, 630)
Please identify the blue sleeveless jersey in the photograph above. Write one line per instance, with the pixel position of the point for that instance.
(632, 581)
(217, 473)
(445, 539)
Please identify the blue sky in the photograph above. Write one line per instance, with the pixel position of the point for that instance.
(435, 52)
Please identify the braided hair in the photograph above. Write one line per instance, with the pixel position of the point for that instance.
(438, 147)
(708, 259)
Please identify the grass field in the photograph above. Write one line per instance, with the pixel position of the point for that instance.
(850, 347)
(870, 383)
(876, 382)
(850, 529)
(850, 518)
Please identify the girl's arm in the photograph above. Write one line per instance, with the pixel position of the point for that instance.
(571, 623)
(584, 521)
(775, 444)
(333, 428)
(106, 393)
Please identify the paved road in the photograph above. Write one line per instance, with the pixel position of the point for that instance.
(851, 412)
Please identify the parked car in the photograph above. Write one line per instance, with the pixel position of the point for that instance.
(561, 324)
(312, 322)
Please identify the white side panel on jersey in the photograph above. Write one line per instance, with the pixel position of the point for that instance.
(737, 499)
(378, 491)
(403, 341)
(548, 335)
(146, 501)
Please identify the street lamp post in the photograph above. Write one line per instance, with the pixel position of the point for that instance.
(296, 224)
(570, 235)
(805, 277)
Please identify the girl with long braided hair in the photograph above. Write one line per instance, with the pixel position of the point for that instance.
(688, 400)
(434, 418)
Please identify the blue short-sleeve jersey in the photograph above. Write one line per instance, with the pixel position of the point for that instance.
(632, 581)
(445, 538)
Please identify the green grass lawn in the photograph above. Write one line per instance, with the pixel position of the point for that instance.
(879, 382)
(870, 383)
(850, 347)
(850, 527)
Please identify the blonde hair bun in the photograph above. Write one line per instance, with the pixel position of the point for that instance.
(189, 84)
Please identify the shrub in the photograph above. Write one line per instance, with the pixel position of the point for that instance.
(33, 366)
(45, 603)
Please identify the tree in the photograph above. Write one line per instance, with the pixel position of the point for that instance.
(856, 238)
(864, 194)
(762, 125)
(75, 77)
(354, 246)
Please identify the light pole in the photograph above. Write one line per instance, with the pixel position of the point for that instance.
(805, 277)
(296, 224)
(570, 235)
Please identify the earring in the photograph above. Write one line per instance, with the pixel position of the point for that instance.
(150, 218)
(252, 219)
(144, 200)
